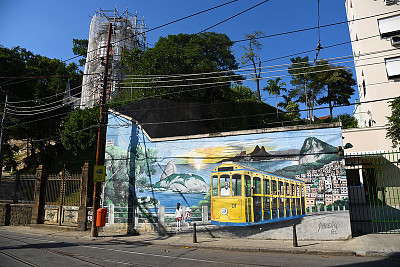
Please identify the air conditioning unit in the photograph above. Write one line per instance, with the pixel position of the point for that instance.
(395, 40)
(390, 2)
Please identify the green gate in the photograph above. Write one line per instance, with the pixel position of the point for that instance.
(374, 192)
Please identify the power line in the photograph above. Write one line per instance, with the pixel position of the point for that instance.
(314, 28)
(225, 20)
(149, 76)
(192, 15)
(241, 80)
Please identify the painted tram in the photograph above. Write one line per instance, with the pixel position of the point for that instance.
(243, 196)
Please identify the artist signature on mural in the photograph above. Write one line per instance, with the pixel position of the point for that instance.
(334, 226)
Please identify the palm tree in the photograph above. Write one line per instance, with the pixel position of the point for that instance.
(291, 107)
(274, 87)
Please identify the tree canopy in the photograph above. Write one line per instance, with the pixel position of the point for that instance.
(36, 97)
(320, 82)
(206, 55)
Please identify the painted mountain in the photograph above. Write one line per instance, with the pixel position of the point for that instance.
(260, 154)
(184, 183)
(314, 154)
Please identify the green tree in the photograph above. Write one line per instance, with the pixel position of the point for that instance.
(243, 93)
(37, 98)
(320, 83)
(274, 87)
(337, 83)
(79, 130)
(394, 123)
(207, 58)
(252, 55)
(302, 78)
(80, 47)
(291, 107)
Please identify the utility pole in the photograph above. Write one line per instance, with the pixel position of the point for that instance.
(3, 135)
(101, 135)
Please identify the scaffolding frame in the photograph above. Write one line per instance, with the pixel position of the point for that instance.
(128, 33)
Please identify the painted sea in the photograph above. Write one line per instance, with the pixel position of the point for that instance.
(169, 199)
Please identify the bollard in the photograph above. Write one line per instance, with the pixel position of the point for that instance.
(194, 233)
(294, 236)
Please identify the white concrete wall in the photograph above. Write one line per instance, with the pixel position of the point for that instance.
(370, 52)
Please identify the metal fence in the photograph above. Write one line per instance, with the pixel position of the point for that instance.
(18, 188)
(160, 215)
(63, 189)
(374, 192)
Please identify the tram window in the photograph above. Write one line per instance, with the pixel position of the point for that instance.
(236, 185)
(293, 187)
(224, 183)
(274, 187)
(267, 208)
(247, 181)
(274, 208)
(215, 185)
(288, 189)
(281, 188)
(257, 185)
(266, 187)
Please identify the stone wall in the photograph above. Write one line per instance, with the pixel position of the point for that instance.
(15, 214)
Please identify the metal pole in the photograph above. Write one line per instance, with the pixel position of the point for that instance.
(194, 233)
(62, 193)
(3, 135)
(100, 138)
(294, 236)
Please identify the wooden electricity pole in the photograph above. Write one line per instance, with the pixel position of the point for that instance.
(101, 144)
(3, 136)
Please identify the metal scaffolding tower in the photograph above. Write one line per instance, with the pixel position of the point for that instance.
(128, 33)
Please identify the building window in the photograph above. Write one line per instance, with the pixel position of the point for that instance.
(393, 67)
(389, 26)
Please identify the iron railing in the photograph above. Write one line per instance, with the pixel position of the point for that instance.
(374, 192)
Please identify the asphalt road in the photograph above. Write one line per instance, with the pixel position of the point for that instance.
(26, 250)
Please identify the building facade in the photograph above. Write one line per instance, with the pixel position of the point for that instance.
(374, 27)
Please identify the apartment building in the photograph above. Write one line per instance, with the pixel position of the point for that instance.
(374, 29)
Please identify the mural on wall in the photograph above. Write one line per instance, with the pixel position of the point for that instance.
(165, 173)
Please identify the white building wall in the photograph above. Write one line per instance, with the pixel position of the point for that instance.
(370, 50)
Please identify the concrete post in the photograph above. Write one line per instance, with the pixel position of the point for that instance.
(86, 193)
(183, 222)
(39, 196)
(318, 209)
(204, 214)
(161, 215)
(136, 215)
(326, 209)
(111, 214)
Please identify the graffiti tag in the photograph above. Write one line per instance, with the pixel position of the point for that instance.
(334, 226)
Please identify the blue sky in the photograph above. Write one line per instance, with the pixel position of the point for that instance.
(48, 27)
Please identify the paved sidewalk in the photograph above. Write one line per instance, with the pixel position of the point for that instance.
(367, 245)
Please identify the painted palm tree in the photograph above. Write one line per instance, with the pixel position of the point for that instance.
(275, 87)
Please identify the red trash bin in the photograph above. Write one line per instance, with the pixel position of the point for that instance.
(101, 217)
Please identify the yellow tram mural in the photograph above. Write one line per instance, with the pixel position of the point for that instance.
(243, 196)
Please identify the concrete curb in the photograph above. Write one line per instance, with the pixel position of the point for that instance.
(266, 250)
